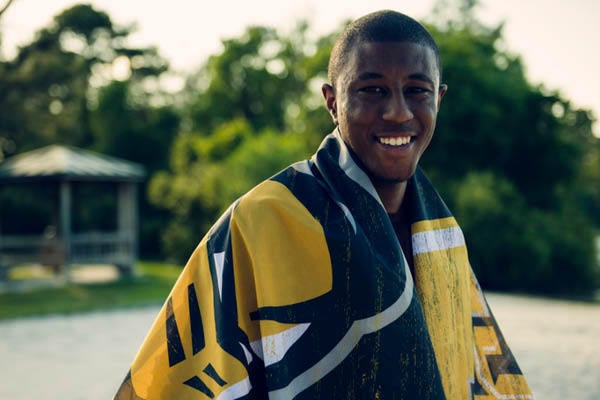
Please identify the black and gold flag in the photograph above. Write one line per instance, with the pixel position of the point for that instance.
(301, 291)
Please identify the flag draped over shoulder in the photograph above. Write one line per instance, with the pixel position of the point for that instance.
(301, 291)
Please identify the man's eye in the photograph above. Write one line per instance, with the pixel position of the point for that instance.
(373, 90)
(417, 90)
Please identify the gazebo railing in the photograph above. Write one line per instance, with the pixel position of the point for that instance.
(20, 249)
(105, 248)
(84, 248)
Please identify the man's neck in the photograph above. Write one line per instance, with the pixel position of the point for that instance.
(391, 195)
(401, 223)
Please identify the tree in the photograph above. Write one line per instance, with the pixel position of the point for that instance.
(209, 172)
(79, 83)
(515, 161)
(5, 6)
(262, 76)
(129, 128)
(45, 90)
(255, 101)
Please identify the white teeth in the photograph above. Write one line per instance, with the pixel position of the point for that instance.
(395, 141)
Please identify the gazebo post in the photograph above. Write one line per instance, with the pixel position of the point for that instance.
(65, 224)
(127, 221)
(3, 268)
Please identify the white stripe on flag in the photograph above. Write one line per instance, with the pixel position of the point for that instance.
(440, 239)
(272, 348)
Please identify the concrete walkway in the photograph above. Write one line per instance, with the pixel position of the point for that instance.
(78, 357)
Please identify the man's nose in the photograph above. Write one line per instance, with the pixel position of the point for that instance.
(397, 109)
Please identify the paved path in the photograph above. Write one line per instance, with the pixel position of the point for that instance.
(85, 357)
(556, 343)
(79, 357)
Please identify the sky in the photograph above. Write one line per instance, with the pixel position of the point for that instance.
(557, 39)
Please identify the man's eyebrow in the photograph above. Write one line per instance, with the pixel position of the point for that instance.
(422, 77)
(365, 76)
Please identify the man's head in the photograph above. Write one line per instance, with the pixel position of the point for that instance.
(384, 93)
(380, 26)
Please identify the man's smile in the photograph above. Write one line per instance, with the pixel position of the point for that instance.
(395, 141)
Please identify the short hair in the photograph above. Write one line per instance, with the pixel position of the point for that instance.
(380, 26)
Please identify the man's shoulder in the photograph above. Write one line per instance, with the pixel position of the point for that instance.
(266, 194)
(280, 189)
(290, 195)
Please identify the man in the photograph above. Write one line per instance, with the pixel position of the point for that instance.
(344, 276)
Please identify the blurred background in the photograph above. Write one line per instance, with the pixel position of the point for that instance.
(194, 104)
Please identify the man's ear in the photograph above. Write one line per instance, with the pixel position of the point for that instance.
(330, 101)
(441, 92)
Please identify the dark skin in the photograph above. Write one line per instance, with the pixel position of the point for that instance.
(401, 224)
(385, 102)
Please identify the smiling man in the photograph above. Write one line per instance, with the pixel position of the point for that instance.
(343, 276)
(384, 98)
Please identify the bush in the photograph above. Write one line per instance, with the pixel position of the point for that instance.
(516, 247)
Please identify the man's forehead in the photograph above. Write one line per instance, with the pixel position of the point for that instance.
(368, 57)
(396, 49)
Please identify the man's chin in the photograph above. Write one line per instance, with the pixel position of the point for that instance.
(389, 180)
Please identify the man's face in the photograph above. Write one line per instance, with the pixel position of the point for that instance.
(385, 102)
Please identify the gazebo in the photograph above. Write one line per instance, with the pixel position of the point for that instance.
(61, 247)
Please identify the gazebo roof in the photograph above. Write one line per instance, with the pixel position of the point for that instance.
(68, 163)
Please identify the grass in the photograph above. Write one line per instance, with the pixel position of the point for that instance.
(151, 286)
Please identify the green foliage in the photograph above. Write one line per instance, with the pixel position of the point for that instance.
(515, 247)
(209, 172)
(517, 163)
(60, 88)
(21, 211)
(94, 206)
(535, 153)
(585, 189)
(254, 108)
(265, 78)
(44, 90)
(492, 114)
(526, 214)
(257, 159)
(124, 127)
(248, 80)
